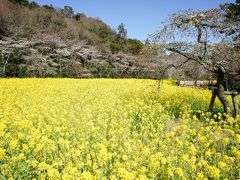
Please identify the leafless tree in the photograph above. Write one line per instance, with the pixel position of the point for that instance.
(206, 38)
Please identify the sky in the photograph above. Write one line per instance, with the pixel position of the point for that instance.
(141, 17)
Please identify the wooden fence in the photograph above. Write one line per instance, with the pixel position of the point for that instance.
(204, 83)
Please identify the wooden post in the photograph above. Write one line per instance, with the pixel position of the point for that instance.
(235, 104)
(234, 95)
(212, 101)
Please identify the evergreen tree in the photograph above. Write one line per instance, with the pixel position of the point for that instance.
(68, 11)
(33, 4)
(21, 2)
(122, 32)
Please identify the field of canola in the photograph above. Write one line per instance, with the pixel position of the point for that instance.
(113, 129)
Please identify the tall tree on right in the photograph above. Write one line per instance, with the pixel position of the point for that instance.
(208, 38)
(232, 15)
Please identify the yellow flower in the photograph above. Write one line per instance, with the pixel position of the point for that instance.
(124, 157)
(21, 157)
(185, 158)
(192, 149)
(34, 163)
(124, 174)
(222, 165)
(225, 141)
(237, 154)
(43, 166)
(208, 153)
(237, 137)
(179, 172)
(200, 176)
(87, 176)
(13, 144)
(141, 177)
(202, 163)
(228, 159)
(53, 173)
(25, 148)
(21, 136)
(218, 155)
(192, 163)
(234, 149)
(202, 139)
(163, 160)
(2, 153)
(170, 172)
(103, 154)
(213, 172)
(113, 177)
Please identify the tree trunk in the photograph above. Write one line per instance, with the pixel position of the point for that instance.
(4, 70)
(220, 90)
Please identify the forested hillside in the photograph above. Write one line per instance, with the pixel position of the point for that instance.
(43, 41)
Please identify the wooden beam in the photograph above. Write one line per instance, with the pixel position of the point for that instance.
(235, 105)
(234, 93)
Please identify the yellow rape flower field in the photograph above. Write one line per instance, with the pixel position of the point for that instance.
(113, 129)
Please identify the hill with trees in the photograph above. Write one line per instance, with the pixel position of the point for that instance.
(43, 41)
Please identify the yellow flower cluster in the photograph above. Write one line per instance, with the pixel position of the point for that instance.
(113, 129)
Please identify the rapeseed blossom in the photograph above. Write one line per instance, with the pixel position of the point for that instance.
(113, 129)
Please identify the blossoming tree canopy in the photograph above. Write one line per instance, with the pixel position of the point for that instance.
(208, 38)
